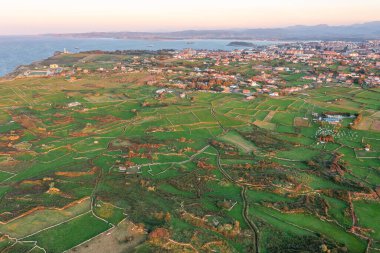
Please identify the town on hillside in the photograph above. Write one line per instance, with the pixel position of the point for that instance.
(276, 70)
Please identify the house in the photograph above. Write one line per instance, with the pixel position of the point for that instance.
(37, 73)
(331, 120)
(133, 170)
(254, 84)
(274, 94)
(53, 66)
(160, 91)
(122, 169)
(74, 104)
(326, 139)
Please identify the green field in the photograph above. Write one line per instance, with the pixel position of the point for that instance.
(208, 172)
(69, 234)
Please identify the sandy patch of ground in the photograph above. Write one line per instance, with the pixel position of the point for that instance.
(124, 237)
(265, 125)
(364, 124)
(270, 115)
(376, 114)
(8, 162)
(239, 141)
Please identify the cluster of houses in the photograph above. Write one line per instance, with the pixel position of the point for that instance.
(333, 118)
(282, 69)
(274, 70)
(52, 70)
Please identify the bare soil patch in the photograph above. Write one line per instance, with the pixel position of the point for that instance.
(270, 115)
(375, 125)
(77, 174)
(122, 238)
(301, 122)
(364, 124)
(265, 125)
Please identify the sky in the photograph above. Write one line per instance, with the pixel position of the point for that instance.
(65, 16)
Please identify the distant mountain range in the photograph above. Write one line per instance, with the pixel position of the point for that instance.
(356, 32)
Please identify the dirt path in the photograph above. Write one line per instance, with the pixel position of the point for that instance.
(269, 117)
(251, 225)
(245, 212)
(214, 116)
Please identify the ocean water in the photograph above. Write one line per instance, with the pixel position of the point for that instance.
(22, 50)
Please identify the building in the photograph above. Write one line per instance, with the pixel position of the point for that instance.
(54, 66)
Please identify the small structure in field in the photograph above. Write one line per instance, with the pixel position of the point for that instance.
(74, 104)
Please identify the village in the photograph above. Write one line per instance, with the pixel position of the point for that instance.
(275, 70)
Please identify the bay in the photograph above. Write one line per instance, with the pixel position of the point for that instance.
(23, 50)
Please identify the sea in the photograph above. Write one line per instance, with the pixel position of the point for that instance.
(23, 50)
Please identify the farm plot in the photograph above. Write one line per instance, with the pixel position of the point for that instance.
(70, 233)
(41, 219)
(237, 140)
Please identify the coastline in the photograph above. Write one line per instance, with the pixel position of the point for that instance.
(16, 51)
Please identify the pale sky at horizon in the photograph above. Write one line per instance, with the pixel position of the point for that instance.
(42, 16)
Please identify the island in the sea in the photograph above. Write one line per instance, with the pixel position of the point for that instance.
(240, 44)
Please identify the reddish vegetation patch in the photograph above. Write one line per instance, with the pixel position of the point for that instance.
(184, 140)
(134, 147)
(187, 149)
(228, 230)
(56, 191)
(357, 121)
(148, 146)
(132, 154)
(368, 196)
(9, 163)
(58, 115)
(32, 182)
(79, 134)
(242, 166)
(106, 119)
(365, 124)
(204, 165)
(378, 191)
(26, 121)
(30, 123)
(129, 163)
(159, 234)
(13, 138)
(336, 167)
(327, 138)
(77, 174)
(64, 120)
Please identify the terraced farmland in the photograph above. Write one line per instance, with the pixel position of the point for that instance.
(209, 172)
